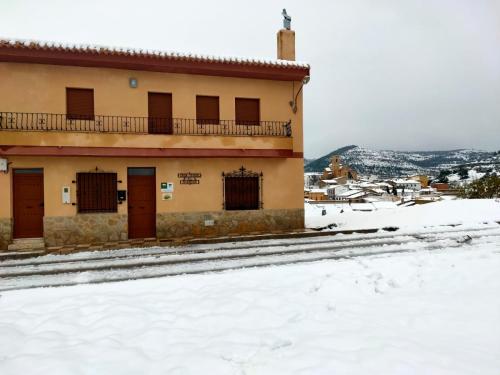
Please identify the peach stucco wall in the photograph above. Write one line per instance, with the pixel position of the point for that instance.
(142, 140)
(282, 183)
(41, 88)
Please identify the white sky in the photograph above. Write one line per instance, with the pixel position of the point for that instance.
(403, 75)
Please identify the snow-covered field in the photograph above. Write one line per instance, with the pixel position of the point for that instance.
(425, 310)
(387, 214)
(411, 313)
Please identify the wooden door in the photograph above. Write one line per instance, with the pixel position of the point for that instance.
(28, 203)
(141, 184)
(159, 113)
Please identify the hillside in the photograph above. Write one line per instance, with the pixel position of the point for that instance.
(394, 163)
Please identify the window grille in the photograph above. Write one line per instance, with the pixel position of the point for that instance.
(242, 190)
(96, 192)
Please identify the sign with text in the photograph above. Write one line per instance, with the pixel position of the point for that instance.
(189, 178)
(167, 187)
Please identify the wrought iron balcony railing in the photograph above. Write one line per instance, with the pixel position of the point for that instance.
(140, 125)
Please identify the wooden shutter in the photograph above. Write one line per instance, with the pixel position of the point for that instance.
(241, 193)
(160, 113)
(79, 104)
(247, 111)
(207, 109)
(96, 192)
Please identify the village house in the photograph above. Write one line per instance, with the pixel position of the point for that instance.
(317, 194)
(311, 179)
(101, 145)
(407, 184)
(334, 191)
(440, 186)
(422, 178)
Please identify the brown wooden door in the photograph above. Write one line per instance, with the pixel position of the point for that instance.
(141, 202)
(159, 113)
(28, 203)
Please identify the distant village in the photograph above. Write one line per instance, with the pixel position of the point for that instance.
(339, 183)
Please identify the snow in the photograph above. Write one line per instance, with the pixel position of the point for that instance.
(475, 175)
(407, 313)
(421, 302)
(446, 212)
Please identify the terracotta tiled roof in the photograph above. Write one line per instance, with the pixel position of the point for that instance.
(144, 53)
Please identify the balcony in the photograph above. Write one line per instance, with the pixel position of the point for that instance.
(51, 122)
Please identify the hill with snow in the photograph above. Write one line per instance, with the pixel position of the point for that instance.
(395, 163)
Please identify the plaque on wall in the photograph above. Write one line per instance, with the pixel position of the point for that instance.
(189, 178)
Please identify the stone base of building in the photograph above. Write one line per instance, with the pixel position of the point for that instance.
(5, 233)
(85, 229)
(224, 223)
(107, 228)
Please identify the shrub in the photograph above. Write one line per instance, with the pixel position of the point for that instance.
(486, 187)
(443, 176)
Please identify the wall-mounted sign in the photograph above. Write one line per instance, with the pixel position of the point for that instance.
(167, 187)
(189, 178)
(167, 196)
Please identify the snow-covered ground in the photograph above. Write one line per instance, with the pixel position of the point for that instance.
(446, 212)
(407, 313)
(421, 303)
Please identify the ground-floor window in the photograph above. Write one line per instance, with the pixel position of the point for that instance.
(242, 190)
(96, 192)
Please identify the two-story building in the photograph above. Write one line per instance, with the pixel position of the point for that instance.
(104, 144)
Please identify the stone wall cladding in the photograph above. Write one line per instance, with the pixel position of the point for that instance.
(192, 224)
(101, 228)
(85, 229)
(5, 233)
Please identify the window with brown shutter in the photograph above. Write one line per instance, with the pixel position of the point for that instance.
(96, 192)
(207, 109)
(242, 190)
(241, 193)
(79, 104)
(247, 111)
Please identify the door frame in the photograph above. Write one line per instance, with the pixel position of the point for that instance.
(14, 198)
(128, 198)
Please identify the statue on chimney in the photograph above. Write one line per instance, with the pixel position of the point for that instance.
(287, 20)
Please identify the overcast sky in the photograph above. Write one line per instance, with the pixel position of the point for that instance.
(400, 74)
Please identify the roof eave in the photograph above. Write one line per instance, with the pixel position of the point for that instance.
(151, 63)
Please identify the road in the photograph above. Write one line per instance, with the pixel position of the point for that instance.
(129, 264)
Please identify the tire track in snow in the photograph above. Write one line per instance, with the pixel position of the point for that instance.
(231, 259)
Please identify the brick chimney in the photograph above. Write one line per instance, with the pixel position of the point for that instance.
(286, 44)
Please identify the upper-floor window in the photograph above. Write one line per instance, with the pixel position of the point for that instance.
(207, 109)
(79, 104)
(247, 111)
